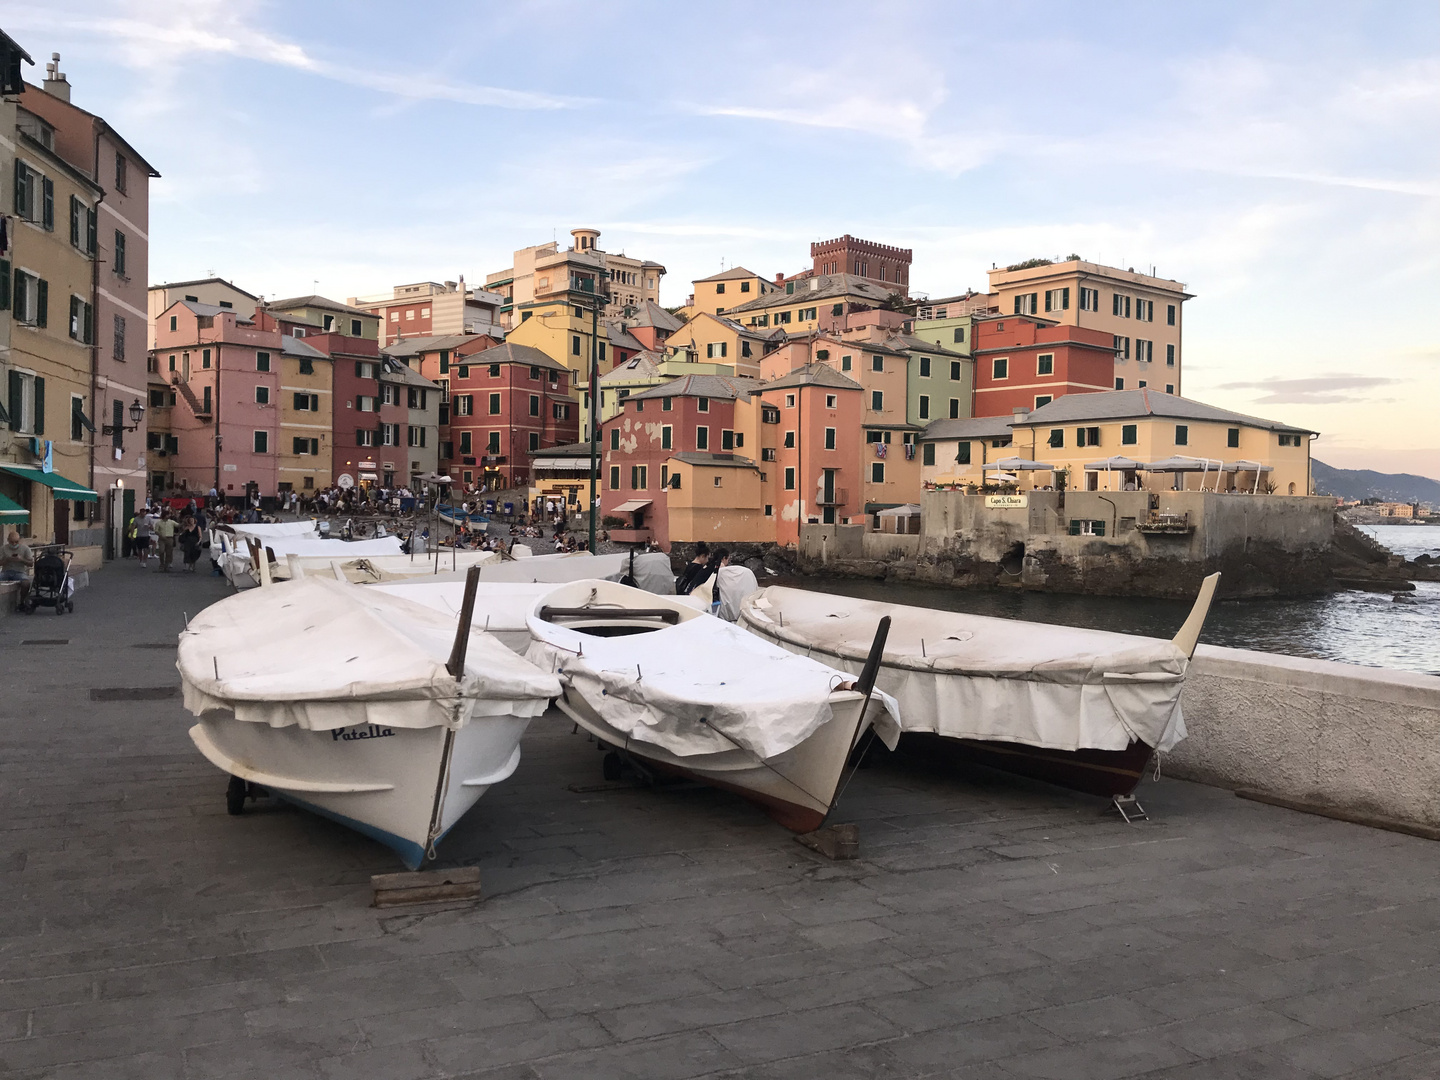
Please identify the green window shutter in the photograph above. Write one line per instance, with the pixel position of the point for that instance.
(47, 204)
(90, 238)
(89, 327)
(17, 392)
(1099, 527)
(74, 325)
(1074, 527)
(962, 455)
(42, 302)
(39, 406)
(4, 284)
(928, 454)
(20, 176)
(74, 221)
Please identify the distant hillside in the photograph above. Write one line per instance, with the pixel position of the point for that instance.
(1366, 484)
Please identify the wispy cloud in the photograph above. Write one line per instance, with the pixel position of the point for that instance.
(155, 36)
(1320, 390)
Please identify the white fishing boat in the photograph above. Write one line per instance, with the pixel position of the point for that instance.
(385, 715)
(502, 608)
(1086, 709)
(243, 571)
(675, 691)
(369, 569)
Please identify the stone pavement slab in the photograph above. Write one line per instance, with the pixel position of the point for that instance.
(990, 928)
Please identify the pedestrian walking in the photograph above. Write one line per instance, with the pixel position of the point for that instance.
(190, 543)
(144, 527)
(165, 531)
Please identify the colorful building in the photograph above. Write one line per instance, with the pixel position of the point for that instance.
(1141, 313)
(880, 264)
(712, 339)
(431, 309)
(798, 305)
(544, 271)
(214, 291)
(958, 452)
(720, 292)
(1024, 362)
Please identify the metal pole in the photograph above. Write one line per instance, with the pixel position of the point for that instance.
(594, 403)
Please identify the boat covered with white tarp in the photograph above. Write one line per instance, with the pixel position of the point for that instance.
(1083, 708)
(689, 694)
(338, 697)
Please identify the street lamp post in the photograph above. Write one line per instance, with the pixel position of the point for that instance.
(595, 303)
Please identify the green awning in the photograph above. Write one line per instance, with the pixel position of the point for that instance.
(63, 488)
(11, 511)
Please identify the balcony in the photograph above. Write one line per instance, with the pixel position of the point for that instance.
(631, 536)
(837, 497)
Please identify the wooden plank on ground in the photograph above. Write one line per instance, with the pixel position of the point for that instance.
(427, 886)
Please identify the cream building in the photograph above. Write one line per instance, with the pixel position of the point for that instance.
(212, 290)
(543, 272)
(1142, 312)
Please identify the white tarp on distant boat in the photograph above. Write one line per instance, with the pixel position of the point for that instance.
(323, 654)
(700, 687)
(974, 677)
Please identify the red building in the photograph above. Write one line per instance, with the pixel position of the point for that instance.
(692, 414)
(505, 403)
(886, 266)
(1022, 362)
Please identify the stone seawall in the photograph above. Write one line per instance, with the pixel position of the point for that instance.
(1365, 741)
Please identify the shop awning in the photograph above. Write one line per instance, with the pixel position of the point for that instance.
(631, 506)
(11, 511)
(63, 488)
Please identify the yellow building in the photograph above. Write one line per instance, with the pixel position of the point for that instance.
(718, 497)
(799, 306)
(643, 371)
(711, 339)
(45, 443)
(1141, 312)
(720, 292)
(561, 328)
(957, 452)
(306, 416)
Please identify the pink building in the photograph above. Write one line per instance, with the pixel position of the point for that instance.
(223, 420)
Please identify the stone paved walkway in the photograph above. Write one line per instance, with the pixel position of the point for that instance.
(992, 928)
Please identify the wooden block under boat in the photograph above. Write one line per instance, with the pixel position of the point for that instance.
(426, 886)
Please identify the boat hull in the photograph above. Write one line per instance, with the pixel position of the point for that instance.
(1106, 773)
(383, 782)
(796, 788)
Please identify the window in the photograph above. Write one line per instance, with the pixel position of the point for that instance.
(1142, 384)
(172, 322)
(615, 438)
(466, 445)
(877, 472)
(410, 315)
(82, 320)
(494, 371)
(962, 453)
(954, 408)
(1087, 436)
(1169, 388)
(702, 438)
(534, 404)
(1120, 305)
(769, 510)
(667, 438)
(534, 441)
(355, 329)
(77, 417)
(877, 401)
(1089, 299)
(702, 404)
(1057, 438)
(715, 349)
(394, 316)
(877, 363)
(205, 358)
(262, 361)
(767, 453)
(1144, 350)
(1170, 355)
(205, 401)
(614, 477)
(307, 402)
(667, 404)
(1182, 434)
(789, 401)
(744, 348)
(664, 477)
(574, 344)
(1122, 347)
(363, 370)
(494, 403)
(1000, 367)
(1057, 299)
(262, 395)
(829, 438)
(1232, 436)
(789, 440)
(831, 400)
(927, 453)
(492, 443)
(789, 479)
(304, 446)
(1026, 303)
(1285, 440)
(959, 335)
(727, 440)
(82, 220)
(535, 371)
(329, 323)
(307, 366)
(1145, 310)
(1043, 399)
(1170, 315)
(117, 263)
(720, 289)
(924, 367)
(1045, 364)
(1119, 384)
(262, 442)
(924, 406)
(955, 373)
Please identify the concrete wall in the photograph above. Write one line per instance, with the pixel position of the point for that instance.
(890, 546)
(1365, 740)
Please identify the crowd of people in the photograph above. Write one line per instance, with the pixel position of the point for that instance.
(159, 530)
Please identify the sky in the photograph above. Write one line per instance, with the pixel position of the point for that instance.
(1281, 159)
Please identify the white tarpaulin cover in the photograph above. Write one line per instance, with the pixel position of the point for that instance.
(335, 549)
(652, 573)
(323, 654)
(732, 585)
(701, 687)
(267, 532)
(974, 677)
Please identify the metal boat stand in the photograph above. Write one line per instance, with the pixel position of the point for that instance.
(1128, 807)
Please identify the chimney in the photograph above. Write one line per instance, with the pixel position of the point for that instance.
(56, 85)
(1020, 412)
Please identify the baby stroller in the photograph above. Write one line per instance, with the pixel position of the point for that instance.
(53, 586)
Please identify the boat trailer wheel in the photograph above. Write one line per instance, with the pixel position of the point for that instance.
(617, 767)
(237, 791)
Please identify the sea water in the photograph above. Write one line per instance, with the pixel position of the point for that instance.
(1400, 630)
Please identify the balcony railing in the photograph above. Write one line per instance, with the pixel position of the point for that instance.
(837, 497)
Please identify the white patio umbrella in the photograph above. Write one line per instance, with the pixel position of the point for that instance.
(1181, 464)
(1021, 464)
(1257, 468)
